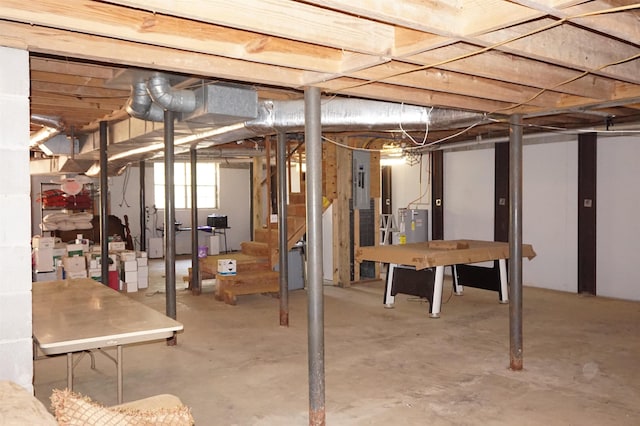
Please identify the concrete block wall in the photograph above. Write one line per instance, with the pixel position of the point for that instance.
(16, 349)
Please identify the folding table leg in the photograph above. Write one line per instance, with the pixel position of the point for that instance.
(388, 298)
(457, 287)
(437, 292)
(119, 368)
(504, 289)
(70, 371)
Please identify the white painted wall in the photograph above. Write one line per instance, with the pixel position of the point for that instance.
(16, 347)
(618, 218)
(468, 194)
(550, 174)
(235, 202)
(411, 188)
(549, 214)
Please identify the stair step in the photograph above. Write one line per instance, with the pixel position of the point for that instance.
(209, 265)
(228, 287)
(254, 248)
(297, 198)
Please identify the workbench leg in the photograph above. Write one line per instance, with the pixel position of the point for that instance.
(504, 289)
(458, 288)
(70, 371)
(437, 292)
(119, 369)
(388, 298)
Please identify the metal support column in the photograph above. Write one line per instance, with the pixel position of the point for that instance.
(195, 264)
(313, 137)
(104, 211)
(169, 220)
(281, 164)
(515, 242)
(143, 210)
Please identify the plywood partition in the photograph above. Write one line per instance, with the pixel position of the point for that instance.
(341, 237)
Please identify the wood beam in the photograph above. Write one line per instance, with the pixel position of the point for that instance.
(311, 24)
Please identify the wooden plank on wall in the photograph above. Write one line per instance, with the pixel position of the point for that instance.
(329, 172)
(341, 237)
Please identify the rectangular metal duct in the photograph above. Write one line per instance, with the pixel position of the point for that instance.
(222, 104)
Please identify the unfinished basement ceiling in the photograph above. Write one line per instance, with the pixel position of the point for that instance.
(561, 64)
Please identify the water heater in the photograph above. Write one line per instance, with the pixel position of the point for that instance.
(415, 223)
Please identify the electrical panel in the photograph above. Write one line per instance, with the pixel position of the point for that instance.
(361, 180)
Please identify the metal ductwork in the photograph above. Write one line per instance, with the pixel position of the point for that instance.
(140, 105)
(149, 99)
(171, 100)
(51, 126)
(341, 115)
(216, 114)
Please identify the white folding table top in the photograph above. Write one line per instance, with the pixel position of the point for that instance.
(83, 314)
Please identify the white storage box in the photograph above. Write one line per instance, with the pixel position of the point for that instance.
(42, 242)
(227, 266)
(130, 276)
(129, 265)
(156, 248)
(143, 276)
(214, 245)
(43, 258)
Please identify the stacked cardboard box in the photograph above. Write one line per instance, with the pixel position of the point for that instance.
(143, 269)
(43, 253)
(128, 270)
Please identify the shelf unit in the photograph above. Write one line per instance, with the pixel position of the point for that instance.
(53, 199)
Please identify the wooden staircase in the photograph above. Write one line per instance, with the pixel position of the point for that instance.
(262, 278)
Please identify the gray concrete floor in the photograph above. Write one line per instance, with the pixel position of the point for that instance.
(234, 365)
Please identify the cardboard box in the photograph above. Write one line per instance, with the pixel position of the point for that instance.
(142, 254)
(75, 274)
(227, 266)
(39, 242)
(131, 287)
(44, 276)
(116, 246)
(75, 250)
(74, 264)
(129, 276)
(143, 277)
(142, 261)
(95, 274)
(156, 248)
(129, 265)
(127, 255)
(43, 259)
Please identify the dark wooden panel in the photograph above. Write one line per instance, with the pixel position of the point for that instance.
(437, 195)
(587, 172)
(501, 198)
(387, 207)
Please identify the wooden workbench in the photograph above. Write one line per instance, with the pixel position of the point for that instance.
(438, 254)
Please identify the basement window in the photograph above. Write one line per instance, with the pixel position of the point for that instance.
(207, 175)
